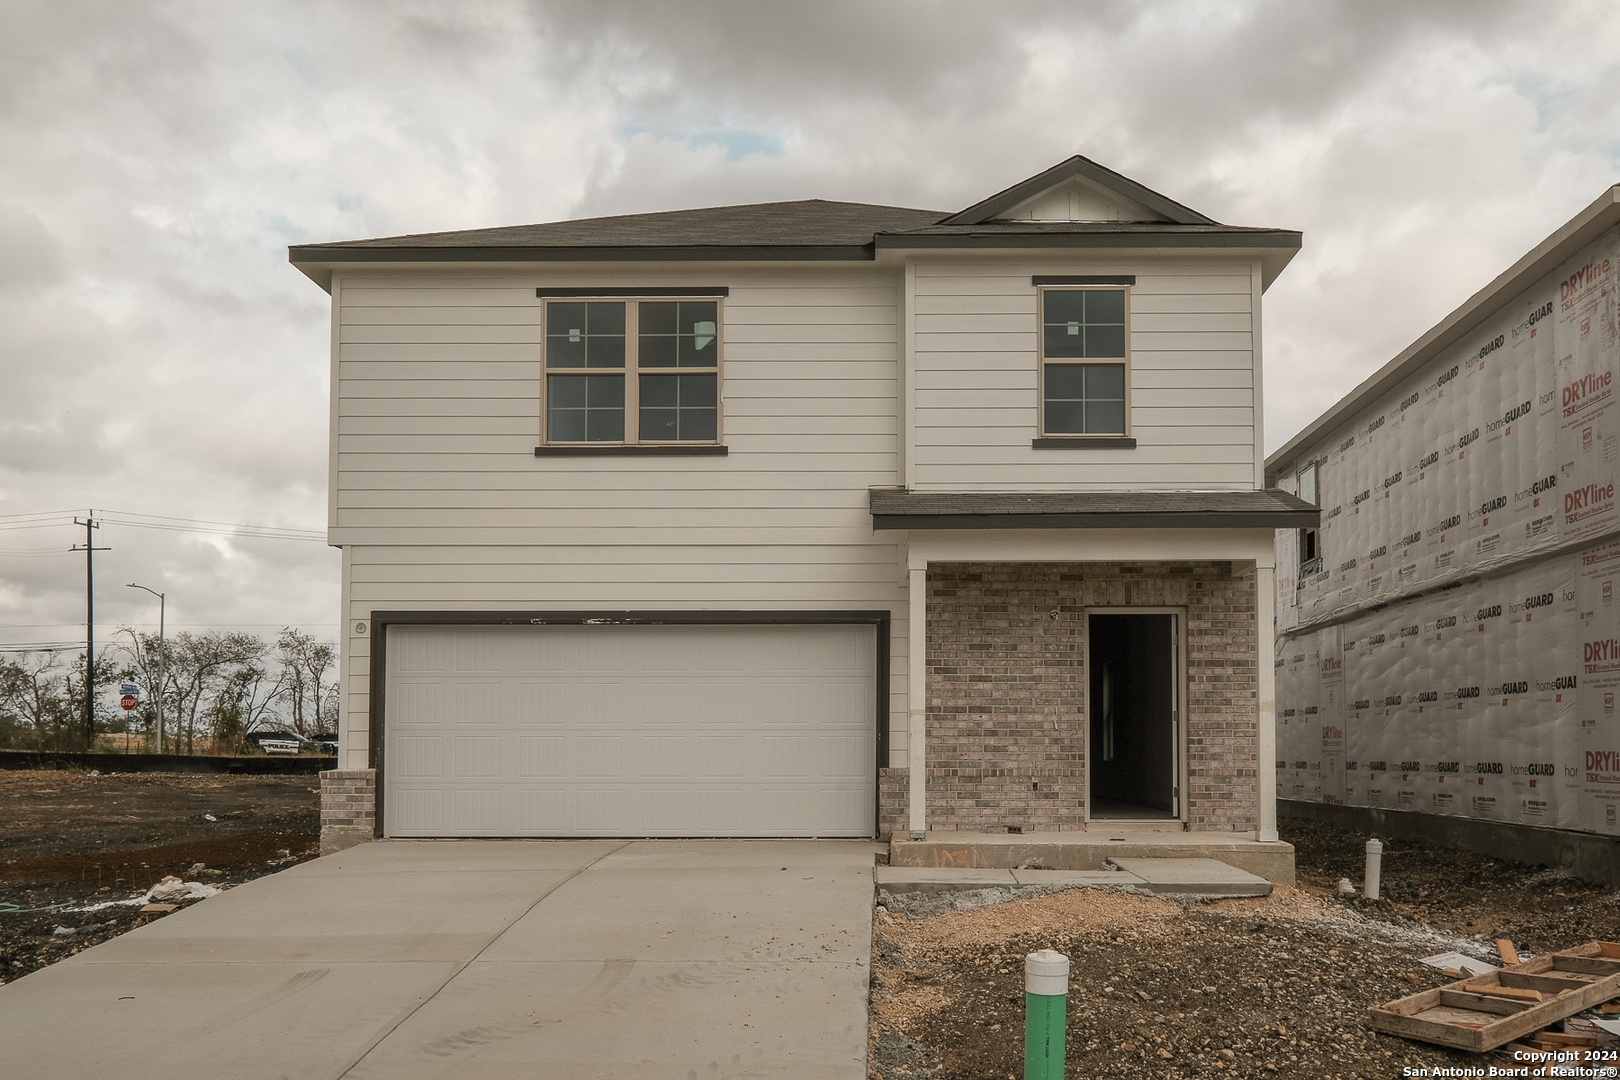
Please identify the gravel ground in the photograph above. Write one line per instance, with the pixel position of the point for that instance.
(1241, 988)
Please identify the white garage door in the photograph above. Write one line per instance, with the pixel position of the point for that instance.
(630, 731)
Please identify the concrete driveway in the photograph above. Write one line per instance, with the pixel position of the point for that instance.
(404, 959)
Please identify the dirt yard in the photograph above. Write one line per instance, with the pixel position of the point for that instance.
(72, 840)
(1240, 988)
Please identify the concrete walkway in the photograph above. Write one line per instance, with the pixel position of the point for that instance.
(405, 959)
(1163, 877)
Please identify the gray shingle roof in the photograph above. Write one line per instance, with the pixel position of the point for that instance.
(807, 222)
(811, 229)
(896, 508)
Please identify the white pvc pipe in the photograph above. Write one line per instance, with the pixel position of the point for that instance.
(1375, 858)
(1046, 973)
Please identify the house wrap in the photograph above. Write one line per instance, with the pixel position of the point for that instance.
(806, 519)
(1446, 640)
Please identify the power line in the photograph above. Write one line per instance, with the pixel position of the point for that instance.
(9, 522)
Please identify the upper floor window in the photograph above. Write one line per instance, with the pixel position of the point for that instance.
(1310, 548)
(1085, 361)
(632, 371)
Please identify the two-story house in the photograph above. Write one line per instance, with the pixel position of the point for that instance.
(807, 519)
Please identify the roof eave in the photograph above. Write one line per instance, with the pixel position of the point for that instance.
(1279, 519)
(331, 254)
(1579, 231)
(1275, 250)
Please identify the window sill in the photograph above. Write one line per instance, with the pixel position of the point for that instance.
(1083, 442)
(622, 450)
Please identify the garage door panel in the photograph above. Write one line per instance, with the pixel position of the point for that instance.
(664, 756)
(630, 731)
(717, 810)
(418, 653)
(722, 704)
(475, 702)
(543, 812)
(843, 757)
(478, 757)
(475, 811)
(549, 703)
(542, 756)
(604, 805)
(479, 652)
(420, 703)
(420, 808)
(665, 702)
(720, 755)
(420, 756)
(598, 756)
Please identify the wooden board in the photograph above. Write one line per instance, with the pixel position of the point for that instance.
(1471, 1014)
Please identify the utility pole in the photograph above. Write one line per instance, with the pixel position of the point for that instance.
(90, 549)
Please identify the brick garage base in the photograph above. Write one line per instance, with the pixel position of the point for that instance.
(348, 808)
(1007, 693)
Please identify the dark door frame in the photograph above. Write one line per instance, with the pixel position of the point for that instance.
(1178, 662)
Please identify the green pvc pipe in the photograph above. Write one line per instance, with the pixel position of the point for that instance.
(1046, 999)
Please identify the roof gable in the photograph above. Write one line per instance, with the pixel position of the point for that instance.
(1086, 187)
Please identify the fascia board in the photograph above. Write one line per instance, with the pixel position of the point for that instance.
(1541, 260)
(1275, 519)
(1274, 251)
(315, 254)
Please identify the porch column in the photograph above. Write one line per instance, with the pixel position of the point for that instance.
(917, 699)
(1265, 574)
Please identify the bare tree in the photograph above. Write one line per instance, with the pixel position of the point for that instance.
(243, 701)
(39, 691)
(33, 689)
(198, 667)
(311, 700)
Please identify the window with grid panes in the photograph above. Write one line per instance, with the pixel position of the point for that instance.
(632, 371)
(1085, 361)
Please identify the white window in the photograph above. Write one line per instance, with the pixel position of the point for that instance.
(632, 371)
(1085, 384)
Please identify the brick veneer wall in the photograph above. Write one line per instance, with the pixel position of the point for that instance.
(1007, 692)
(348, 808)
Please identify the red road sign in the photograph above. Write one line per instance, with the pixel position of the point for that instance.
(129, 701)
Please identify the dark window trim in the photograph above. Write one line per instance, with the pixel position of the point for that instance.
(547, 293)
(631, 374)
(1083, 442)
(632, 450)
(1083, 279)
(878, 618)
(1044, 363)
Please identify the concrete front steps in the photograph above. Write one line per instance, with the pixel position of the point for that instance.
(1090, 851)
(1163, 877)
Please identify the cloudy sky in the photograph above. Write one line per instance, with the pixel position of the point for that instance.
(162, 364)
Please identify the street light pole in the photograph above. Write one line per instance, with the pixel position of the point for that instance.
(162, 608)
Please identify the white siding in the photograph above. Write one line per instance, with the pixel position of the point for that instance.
(441, 503)
(1194, 398)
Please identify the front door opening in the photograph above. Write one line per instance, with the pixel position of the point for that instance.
(1133, 706)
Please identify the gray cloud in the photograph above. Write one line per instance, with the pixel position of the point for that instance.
(157, 353)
